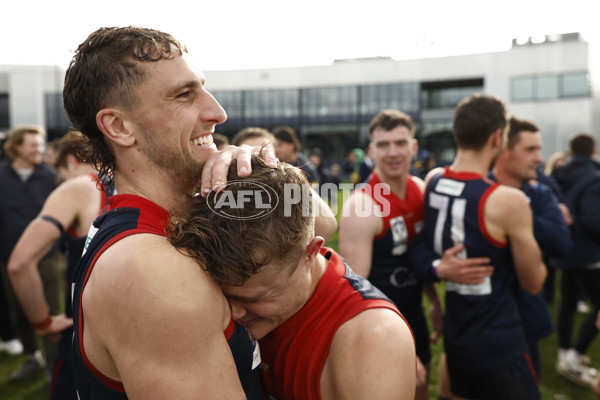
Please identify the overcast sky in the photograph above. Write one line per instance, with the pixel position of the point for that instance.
(243, 34)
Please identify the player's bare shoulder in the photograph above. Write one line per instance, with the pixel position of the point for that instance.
(152, 278)
(368, 353)
(432, 173)
(419, 182)
(506, 202)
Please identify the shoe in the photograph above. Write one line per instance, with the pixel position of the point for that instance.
(582, 307)
(34, 364)
(571, 367)
(12, 347)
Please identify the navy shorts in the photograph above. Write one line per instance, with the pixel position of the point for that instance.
(515, 380)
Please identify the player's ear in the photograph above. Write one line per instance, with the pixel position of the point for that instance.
(71, 162)
(497, 138)
(312, 249)
(111, 123)
(415, 147)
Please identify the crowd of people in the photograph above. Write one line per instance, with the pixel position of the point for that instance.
(175, 289)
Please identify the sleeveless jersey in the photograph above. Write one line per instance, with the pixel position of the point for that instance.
(128, 215)
(294, 354)
(482, 327)
(63, 380)
(390, 271)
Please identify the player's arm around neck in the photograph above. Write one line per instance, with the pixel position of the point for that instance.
(372, 357)
(509, 217)
(359, 225)
(154, 320)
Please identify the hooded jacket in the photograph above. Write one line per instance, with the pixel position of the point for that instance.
(579, 180)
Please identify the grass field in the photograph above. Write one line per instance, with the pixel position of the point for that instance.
(552, 385)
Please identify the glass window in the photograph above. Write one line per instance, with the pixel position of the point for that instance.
(329, 101)
(57, 122)
(230, 101)
(400, 96)
(522, 89)
(546, 87)
(574, 85)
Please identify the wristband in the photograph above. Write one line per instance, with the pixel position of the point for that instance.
(434, 266)
(40, 326)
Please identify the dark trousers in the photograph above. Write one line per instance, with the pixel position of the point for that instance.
(575, 284)
(6, 326)
(49, 272)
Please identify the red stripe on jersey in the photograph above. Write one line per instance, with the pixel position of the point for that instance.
(481, 217)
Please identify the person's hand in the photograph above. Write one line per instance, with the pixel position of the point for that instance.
(421, 373)
(59, 323)
(598, 320)
(214, 173)
(437, 322)
(459, 270)
(565, 213)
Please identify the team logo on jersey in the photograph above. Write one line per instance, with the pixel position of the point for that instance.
(256, 360)
(91, 233)
(399, 235)
(450, 187)
(403, 277)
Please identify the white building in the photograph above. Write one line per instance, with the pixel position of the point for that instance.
(553, 83)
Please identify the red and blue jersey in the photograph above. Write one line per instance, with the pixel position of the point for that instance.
(63, 381)
(482, 326)
(294, 354)
(128, 215)
(390, 270)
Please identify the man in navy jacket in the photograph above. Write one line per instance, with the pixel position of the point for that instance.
(26, 182)
(580, 182)
(517, 167)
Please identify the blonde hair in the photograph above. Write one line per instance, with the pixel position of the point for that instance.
(553, 160)
(16, 137)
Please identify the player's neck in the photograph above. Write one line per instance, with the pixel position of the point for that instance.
(472, 161)
(397, 184)
(22, 163)
(162, 191)
(505, 178)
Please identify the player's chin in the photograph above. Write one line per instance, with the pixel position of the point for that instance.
(202, 153)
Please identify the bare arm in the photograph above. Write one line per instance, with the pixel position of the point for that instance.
(325, 221)
(64, 204)
(158, 330)
(508, 209)
(372, 357)
(463, 270)
(358, 228)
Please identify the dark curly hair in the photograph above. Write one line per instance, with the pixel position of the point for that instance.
(104, 72)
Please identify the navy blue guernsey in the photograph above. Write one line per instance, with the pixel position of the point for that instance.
(129, 215)
(63, 383)
(390, 272)
(482, 326)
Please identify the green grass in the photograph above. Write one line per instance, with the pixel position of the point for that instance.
(32, 389)
(552, 385)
